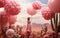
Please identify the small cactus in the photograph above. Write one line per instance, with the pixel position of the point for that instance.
(45, 29)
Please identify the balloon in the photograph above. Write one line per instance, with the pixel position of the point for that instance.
(36, 5)
(3, 18)
(54, 5)
(10, 32)
(31, 11)
(12, 19)
(46, 13)
(2, 3)
(12, 7)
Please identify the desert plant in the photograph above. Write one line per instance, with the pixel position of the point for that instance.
(54, 24)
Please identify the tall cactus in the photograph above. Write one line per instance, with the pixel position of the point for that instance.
(55, 24)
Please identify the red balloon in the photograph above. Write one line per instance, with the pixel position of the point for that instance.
(2, 3)
(12, 19)
(36, 5)
(54, 5)
(12, 7)
(46, 13)
(3, 18)
(31, 11)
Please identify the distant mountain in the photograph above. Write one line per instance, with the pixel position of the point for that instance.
(39, 26)
(36, 26)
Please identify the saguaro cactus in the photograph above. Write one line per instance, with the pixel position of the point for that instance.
(54, 24)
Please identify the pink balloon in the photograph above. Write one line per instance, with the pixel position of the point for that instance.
(3, 18)
(36, 5)
(31, 11)
(10, 32)
(54, 5)
(12, 7)
(2, 3)
(12, 19)
(46, 13)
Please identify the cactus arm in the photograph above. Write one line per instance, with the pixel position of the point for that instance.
(52, 23)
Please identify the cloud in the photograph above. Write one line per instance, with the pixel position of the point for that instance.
(22, 17)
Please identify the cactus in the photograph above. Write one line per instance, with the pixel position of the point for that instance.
(54, 23)
(20, 29)
(45, 29)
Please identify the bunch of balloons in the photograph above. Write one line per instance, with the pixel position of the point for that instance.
(54, 5)
(2, 3)
(46, 13)
(11, 8)
(36, 5)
